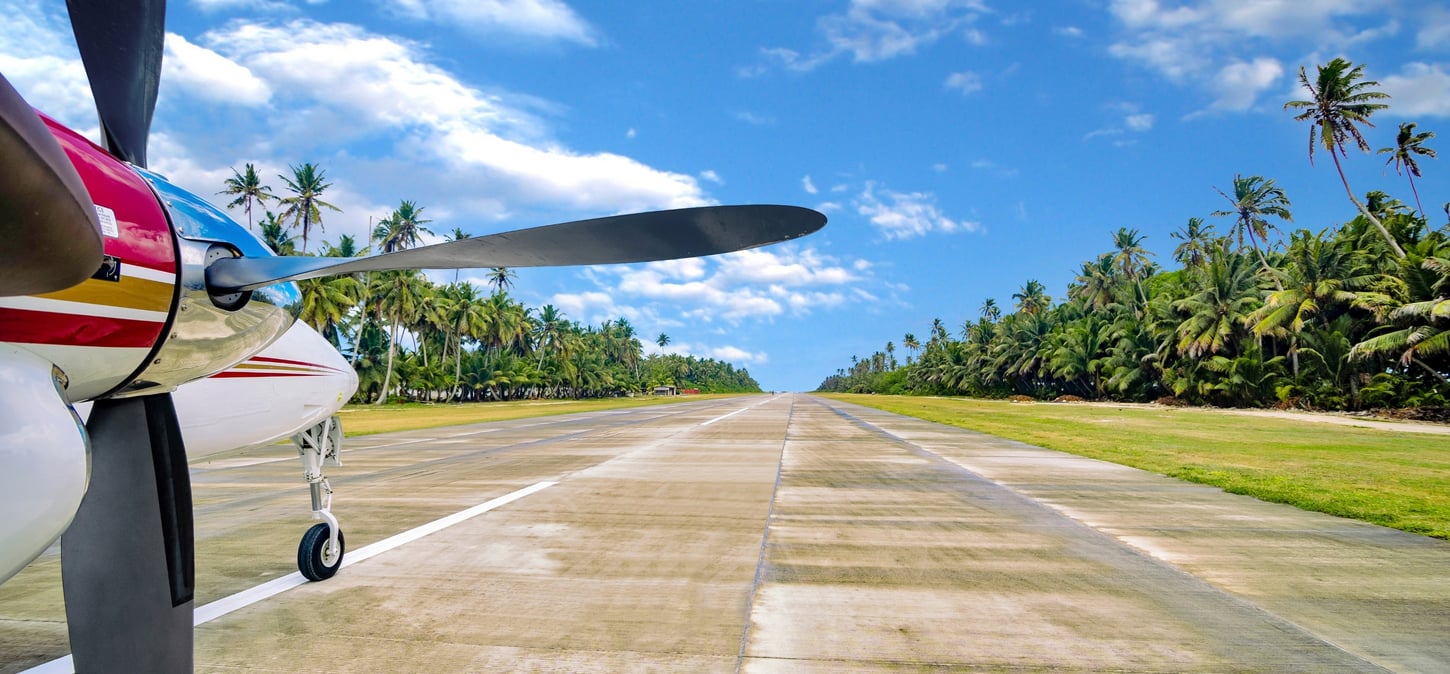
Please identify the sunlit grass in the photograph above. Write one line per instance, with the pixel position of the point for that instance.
(369, 419)
(1399, 480)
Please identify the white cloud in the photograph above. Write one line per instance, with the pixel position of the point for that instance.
(878, 30)
(546, 19)
(747, 285)
(474, 142)
(753, 118)
(1212, 44)
(966, 82)
(737, 355)
(1139, 122)
(903, 215)
(1239, 83)
(808, 186)
(712, 176)
(1068, 31)
(1419, 89)
(207, 75)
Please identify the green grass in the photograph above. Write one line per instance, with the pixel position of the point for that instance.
(368, 419)
(1399, 480)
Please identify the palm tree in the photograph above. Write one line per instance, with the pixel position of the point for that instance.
(1339, 101)
(909, 341)
(466, 318)
(501, 278)
(1402, 156)
(276, 237)
(663, 340)
(1254, 197)
(1033, 298)
(305, 205)
(989, 310)
(1320, 276)
(396, 296)
(1228, 292)
(458, 235)
(1196, 241)
(1131, 257)
(325, 302)
(402, 229)
(248, 188)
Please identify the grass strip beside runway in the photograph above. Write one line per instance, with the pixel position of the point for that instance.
(1398, 480)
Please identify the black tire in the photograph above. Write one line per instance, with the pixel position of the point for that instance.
(310, 558)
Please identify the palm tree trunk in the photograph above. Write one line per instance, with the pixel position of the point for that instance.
(1394, 246)
(458, 371)
(388, 376)
(1416, 192)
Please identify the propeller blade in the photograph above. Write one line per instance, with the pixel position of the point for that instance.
(639, 237)
(121, 45)
(47, 221)
(127, 560)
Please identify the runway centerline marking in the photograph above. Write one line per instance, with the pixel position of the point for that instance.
(743, 409)
(273, 588)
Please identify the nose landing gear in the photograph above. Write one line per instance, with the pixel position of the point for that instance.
(319, 555)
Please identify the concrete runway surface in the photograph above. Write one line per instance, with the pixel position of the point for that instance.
(777, 534)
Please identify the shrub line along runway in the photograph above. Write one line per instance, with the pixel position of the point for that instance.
(766, 534)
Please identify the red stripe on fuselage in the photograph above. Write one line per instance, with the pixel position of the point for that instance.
(284, 361)
(233, 374)
(24, 326)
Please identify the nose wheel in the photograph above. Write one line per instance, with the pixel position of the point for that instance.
(319, 555)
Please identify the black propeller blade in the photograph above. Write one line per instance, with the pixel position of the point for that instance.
(47, 220)
(639, 237)
(121, 45)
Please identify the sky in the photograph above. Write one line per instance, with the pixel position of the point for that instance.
(958, 147)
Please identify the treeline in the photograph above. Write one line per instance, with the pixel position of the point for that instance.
(1354, 317)
(466, 344)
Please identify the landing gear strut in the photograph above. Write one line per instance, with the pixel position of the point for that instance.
(319, 556)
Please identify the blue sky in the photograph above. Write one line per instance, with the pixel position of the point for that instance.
(959, 148)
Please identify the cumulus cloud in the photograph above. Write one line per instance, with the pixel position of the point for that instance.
(546, 19)
(967, 82)
(875, 30)
(904, 215)
(1419, 90)
(480, 142)
(1206, 43)
(202, 73)
(1239, 83)
(757, 284)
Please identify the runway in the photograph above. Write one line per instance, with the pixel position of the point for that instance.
(774, 534)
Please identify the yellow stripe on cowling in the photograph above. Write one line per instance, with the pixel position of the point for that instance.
(129, 292)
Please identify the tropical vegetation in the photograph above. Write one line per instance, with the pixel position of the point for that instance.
(411, 339)
(1356, 316)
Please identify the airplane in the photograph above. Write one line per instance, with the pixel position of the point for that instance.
(117, 287)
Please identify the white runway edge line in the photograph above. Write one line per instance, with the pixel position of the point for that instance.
(726, 416)
(273, 588)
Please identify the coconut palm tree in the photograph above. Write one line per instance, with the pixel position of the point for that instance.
(501, 278)
(457, 235)
(304, 207)
(1032, 298)
(910, 342)
(1319, 277)
(989, 310)
(1228, 292)
(325, 303)
(1196, 240)
(1408, 144)
(1254, 197)
(248, 189)
(402, 229)
(1340, 100)
(1131, 257)
(663, 340)
(275, 235)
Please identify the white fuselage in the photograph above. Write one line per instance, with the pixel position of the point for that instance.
(295, 383)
